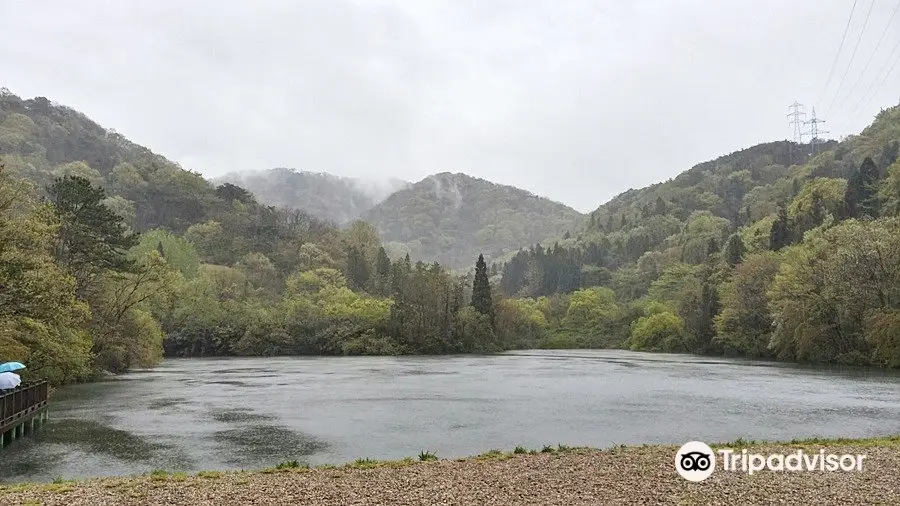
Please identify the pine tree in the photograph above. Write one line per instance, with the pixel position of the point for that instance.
(481, 290)
(868, 204)
(660, 206)
(91, 237)
(709, 307)
(734, 250)
(358, 272)
(780, 235)
(382, 273)
(860, 198)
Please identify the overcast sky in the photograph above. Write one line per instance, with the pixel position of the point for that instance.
(573, 100)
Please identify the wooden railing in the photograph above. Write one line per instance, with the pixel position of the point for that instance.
(20, 403)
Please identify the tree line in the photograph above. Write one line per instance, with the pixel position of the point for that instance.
(818, 280)
(82, 293)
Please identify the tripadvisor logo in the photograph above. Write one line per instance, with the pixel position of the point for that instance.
(696, 461)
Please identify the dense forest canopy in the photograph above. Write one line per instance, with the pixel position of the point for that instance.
(452, 218)
(781, 250)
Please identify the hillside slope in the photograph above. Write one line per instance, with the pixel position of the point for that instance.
(452, 218)
(325, 196)
(767, 252)
(41, 140)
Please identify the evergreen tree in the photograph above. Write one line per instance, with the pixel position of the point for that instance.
(860, 199)
(709, 307)
(660, 206)
(382, 273)
(780, 235)
(481, 290)
(91, 237)
(734, 250)
(358, 272)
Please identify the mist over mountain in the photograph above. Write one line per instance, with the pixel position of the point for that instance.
(454, 217)
(326, 196)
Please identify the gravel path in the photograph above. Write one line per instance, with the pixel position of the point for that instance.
(633, 475)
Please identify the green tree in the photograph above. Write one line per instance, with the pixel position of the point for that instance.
(889, 194)
(744, 326)
(828, 288)
(662, 331)
(382, 273)
(481, 290)
(780, 234)
(178, 252)
(734, 250)
(92, 239)
(358, 272)
(860, 198)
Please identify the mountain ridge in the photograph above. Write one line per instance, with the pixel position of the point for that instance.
(453, 217)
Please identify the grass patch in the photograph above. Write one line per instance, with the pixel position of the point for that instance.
(494, 454)
(59, 488)
(520, 450)
(210, 474)
(408, 461)
(547, 449)
(20, 487)
(159, 475)
(364, 464)
(287, 465)
(427, 456)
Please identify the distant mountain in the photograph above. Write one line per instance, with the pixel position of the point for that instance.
(326, 196)
(452, 218)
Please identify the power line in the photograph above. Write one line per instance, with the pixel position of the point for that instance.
(871, 56)
(840, 47)
(796, 122)
(888, 75)
(867, 97)
(852, 55)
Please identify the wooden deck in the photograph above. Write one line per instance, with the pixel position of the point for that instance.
(22, 410)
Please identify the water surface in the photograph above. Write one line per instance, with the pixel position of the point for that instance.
(241, 413)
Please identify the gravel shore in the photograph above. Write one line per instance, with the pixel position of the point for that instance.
(625, 475)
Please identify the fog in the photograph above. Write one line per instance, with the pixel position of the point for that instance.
(576, 100)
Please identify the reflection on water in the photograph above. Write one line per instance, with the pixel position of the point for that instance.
(194, 414)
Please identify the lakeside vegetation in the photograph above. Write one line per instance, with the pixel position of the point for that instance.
(112, 256)
(770, 252)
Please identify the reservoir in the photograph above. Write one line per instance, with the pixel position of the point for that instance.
(246, 413)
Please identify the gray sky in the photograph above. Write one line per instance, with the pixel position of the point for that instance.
(574, 100)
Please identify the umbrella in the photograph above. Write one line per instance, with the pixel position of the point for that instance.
(11, 366)
(9, 380)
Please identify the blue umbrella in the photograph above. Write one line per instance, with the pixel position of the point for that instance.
(11, 366)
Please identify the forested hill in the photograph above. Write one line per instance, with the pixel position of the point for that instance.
(718, 186)
(41, 140)
(780, 250)
(111, 255)
(453, 217)
(325, 196)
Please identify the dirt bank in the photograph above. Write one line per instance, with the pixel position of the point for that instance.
(632, 475)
